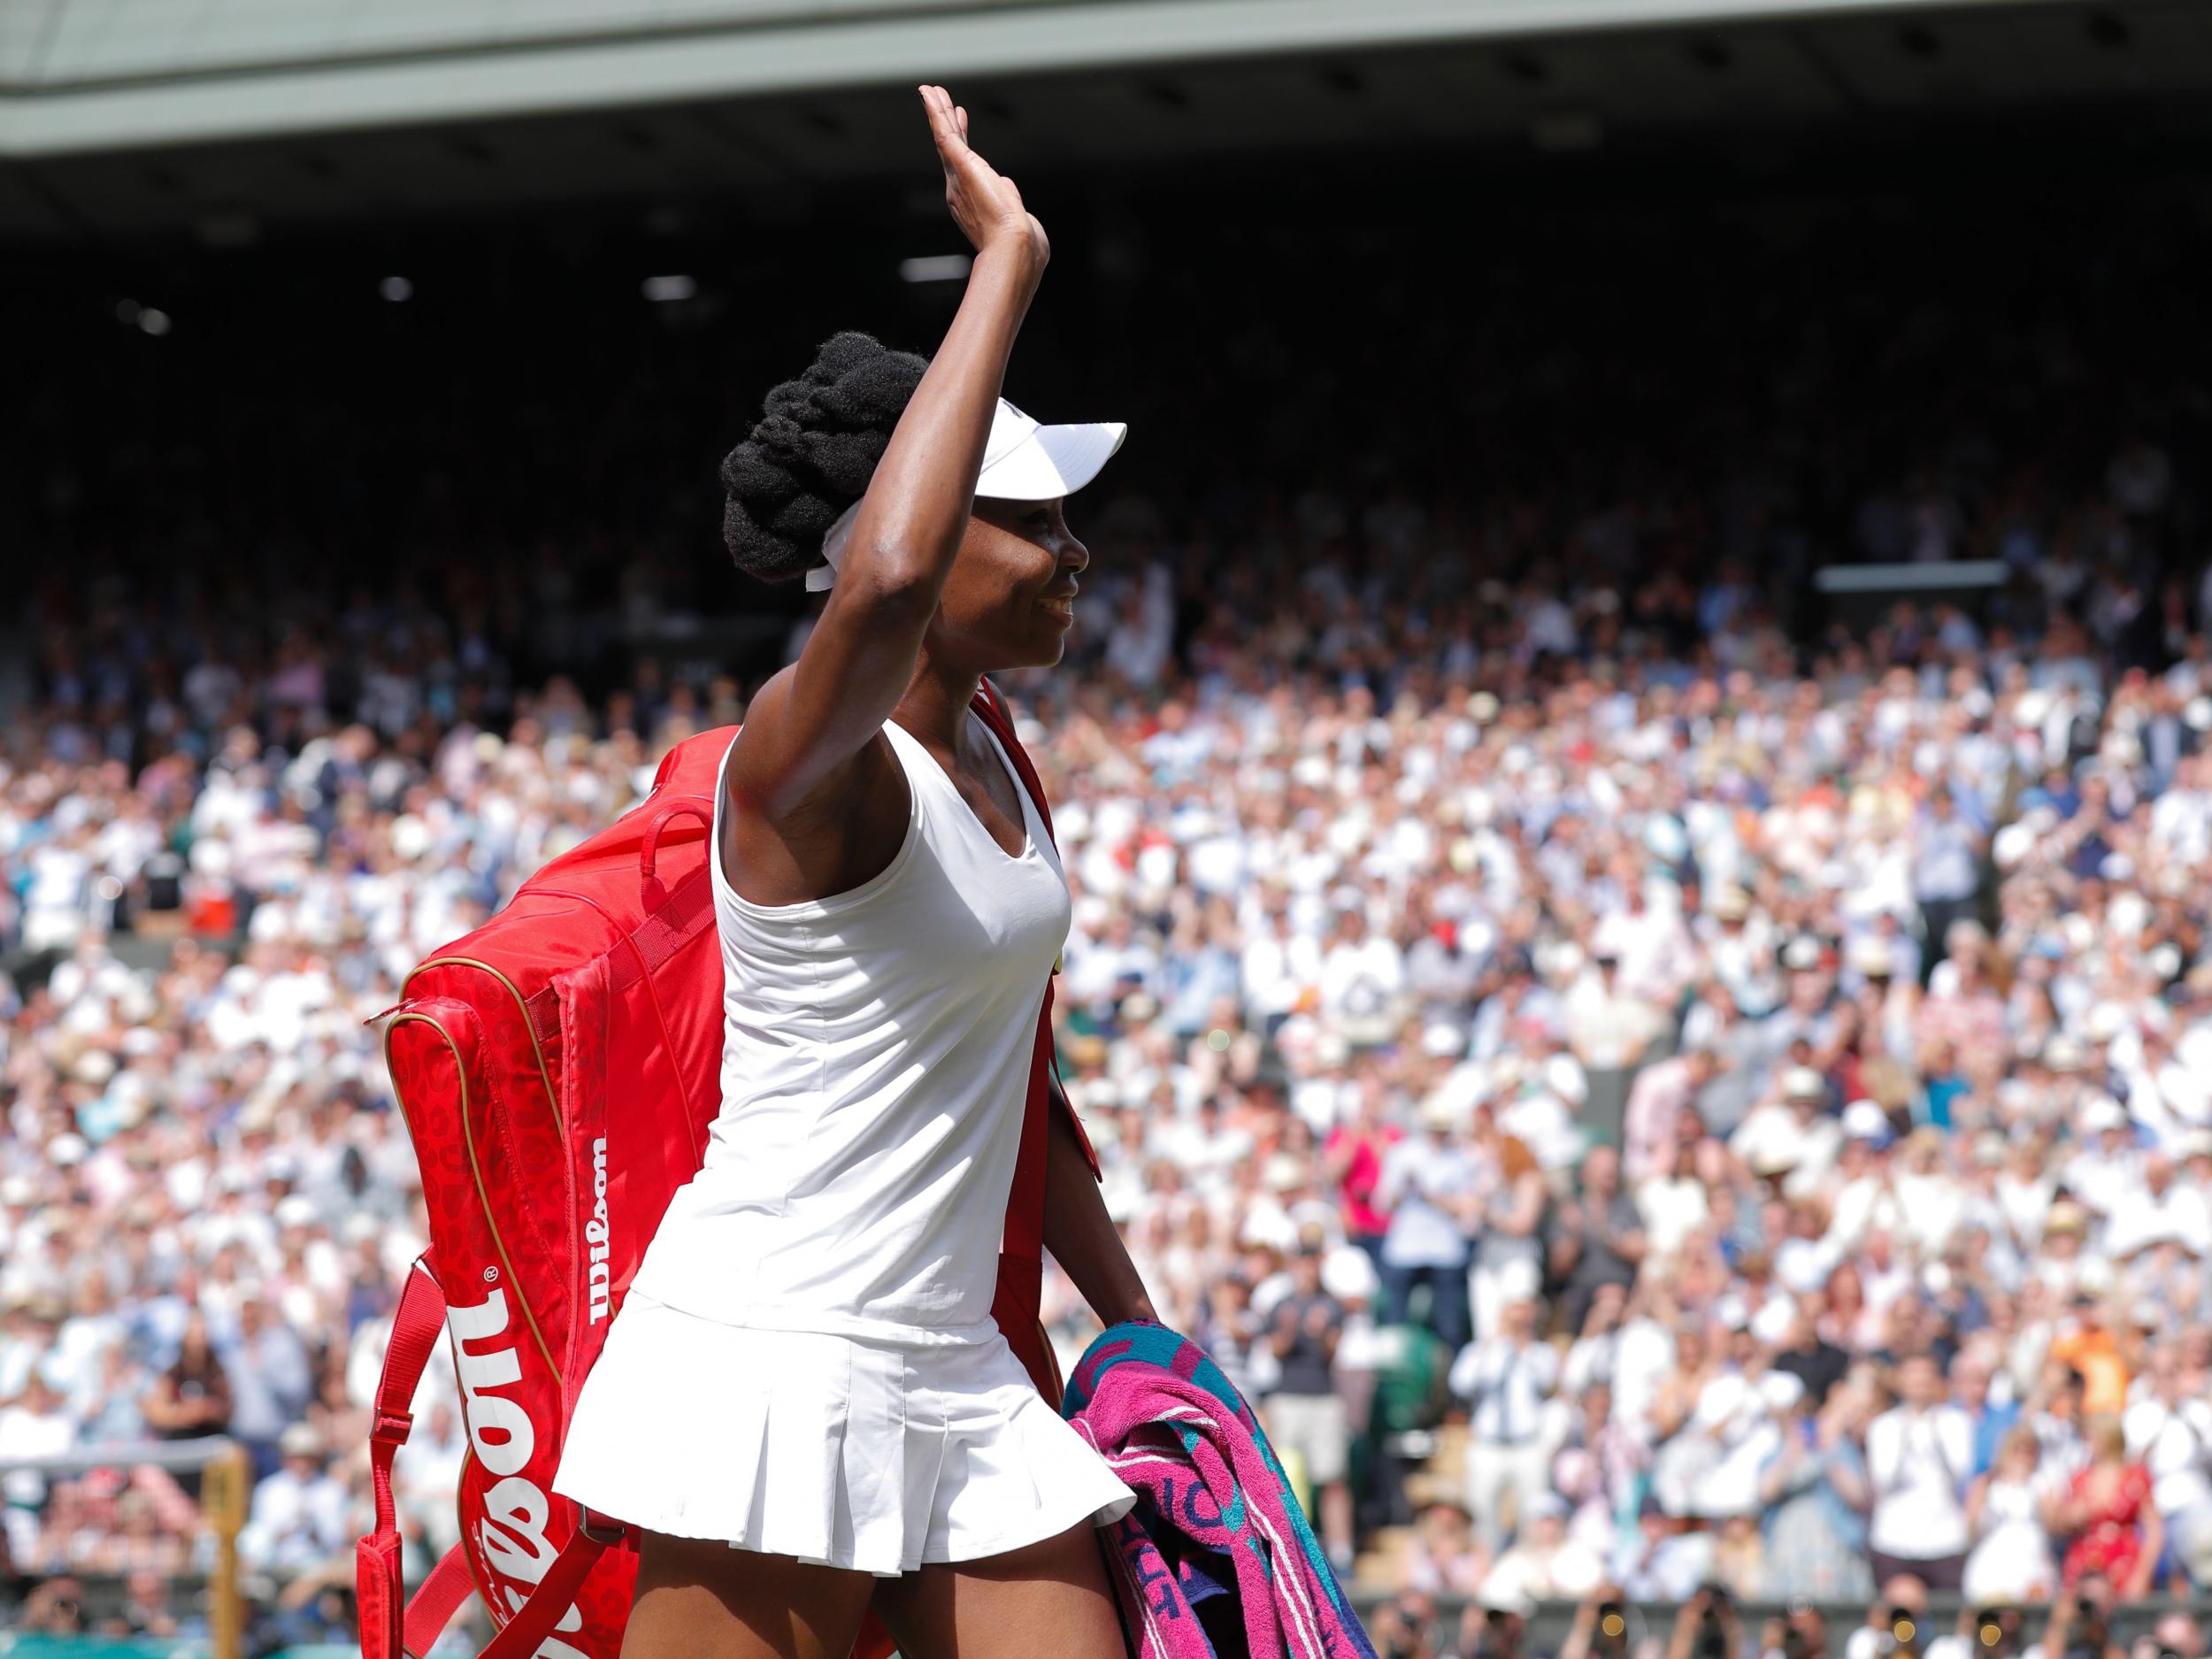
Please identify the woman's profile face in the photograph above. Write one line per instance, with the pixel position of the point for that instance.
(1009, 602)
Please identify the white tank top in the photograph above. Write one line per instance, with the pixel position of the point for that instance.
(876, 1050)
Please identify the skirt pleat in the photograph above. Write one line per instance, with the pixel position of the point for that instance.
(877, 1456)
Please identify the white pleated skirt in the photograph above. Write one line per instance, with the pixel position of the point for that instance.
(870, 1455)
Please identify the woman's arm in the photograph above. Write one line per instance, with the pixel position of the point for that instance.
(1527, 1207)
(2146, 1558)
(161, 1407)
(808, 725)
(1079, 1233)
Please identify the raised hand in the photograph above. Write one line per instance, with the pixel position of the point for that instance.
(984, 202)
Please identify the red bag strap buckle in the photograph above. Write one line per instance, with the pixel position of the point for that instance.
(390, 1427)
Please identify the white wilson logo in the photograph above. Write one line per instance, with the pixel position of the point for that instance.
(511, 1537)
(595, 1231)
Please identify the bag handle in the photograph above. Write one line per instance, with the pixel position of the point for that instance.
(650, 885)
(391, 1626)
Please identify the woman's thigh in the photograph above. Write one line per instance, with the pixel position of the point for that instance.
(1050, 1597)
(700, 1598)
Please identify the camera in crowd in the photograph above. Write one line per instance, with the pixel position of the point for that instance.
(1716, 1612)
(1994, 1633)
(2088, 1636)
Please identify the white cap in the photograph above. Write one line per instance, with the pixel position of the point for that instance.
(1865, 1120)
(1801, 1082)
(1022, 461)
(2100, 1112)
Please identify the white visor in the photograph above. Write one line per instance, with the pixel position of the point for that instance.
(1022, 461)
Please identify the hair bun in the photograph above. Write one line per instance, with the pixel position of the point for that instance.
(813, 453)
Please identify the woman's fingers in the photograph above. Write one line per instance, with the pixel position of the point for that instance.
(947, 125)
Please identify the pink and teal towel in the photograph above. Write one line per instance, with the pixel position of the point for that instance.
(1217, 1560)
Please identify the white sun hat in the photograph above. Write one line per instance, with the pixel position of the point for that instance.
(1023, 460)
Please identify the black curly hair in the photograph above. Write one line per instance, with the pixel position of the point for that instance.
(812, 454)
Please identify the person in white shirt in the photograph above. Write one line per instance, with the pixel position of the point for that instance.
(2159, 1210)
(1362, 980)
(2107, 1168)
(299, 1517)
(1919, 1456)
(2168, 1429)
(36, 1424)
(1510, 1381)
(1792, 1133)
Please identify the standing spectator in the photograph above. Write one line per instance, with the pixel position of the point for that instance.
(1946, 868)
(1352, 1155)
(1305, 1411)
(35, 1425)
(1510, 1380)
(2169, 1430)
(2011, 1564)
(1611, 1029)
(2107, 1509)
(1919, 1456)
(1817, 1491)
(269, 1381)
(1507, 1219)
(1597, 1239)
(1426, 1182)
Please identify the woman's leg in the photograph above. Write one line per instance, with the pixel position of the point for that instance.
(700, 1598)
(1050, 1597)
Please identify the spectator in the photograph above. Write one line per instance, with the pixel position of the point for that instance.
(36, 1424)
(2011, 1564)
(2080, 1625)
(2107, 1510)
(270, 1382)
(1545, 1562)
(1919, 1456)
(191, 1399)
(1596, 1240)
(299, 1518)
(1427, 1183)
(1817, 1491)
(1896, 1623)
(1305, 1410)
(1509, 1380)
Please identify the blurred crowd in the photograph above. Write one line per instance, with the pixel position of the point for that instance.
(1663, 1092)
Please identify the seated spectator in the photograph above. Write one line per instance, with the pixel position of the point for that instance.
(1443, 1557)
(1665, 1560)
(191, 1398)
(299, 1518)
(1545, 1562)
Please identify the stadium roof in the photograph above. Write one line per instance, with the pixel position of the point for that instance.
(131, 114)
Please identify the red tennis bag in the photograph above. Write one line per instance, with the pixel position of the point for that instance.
(558, 1068)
